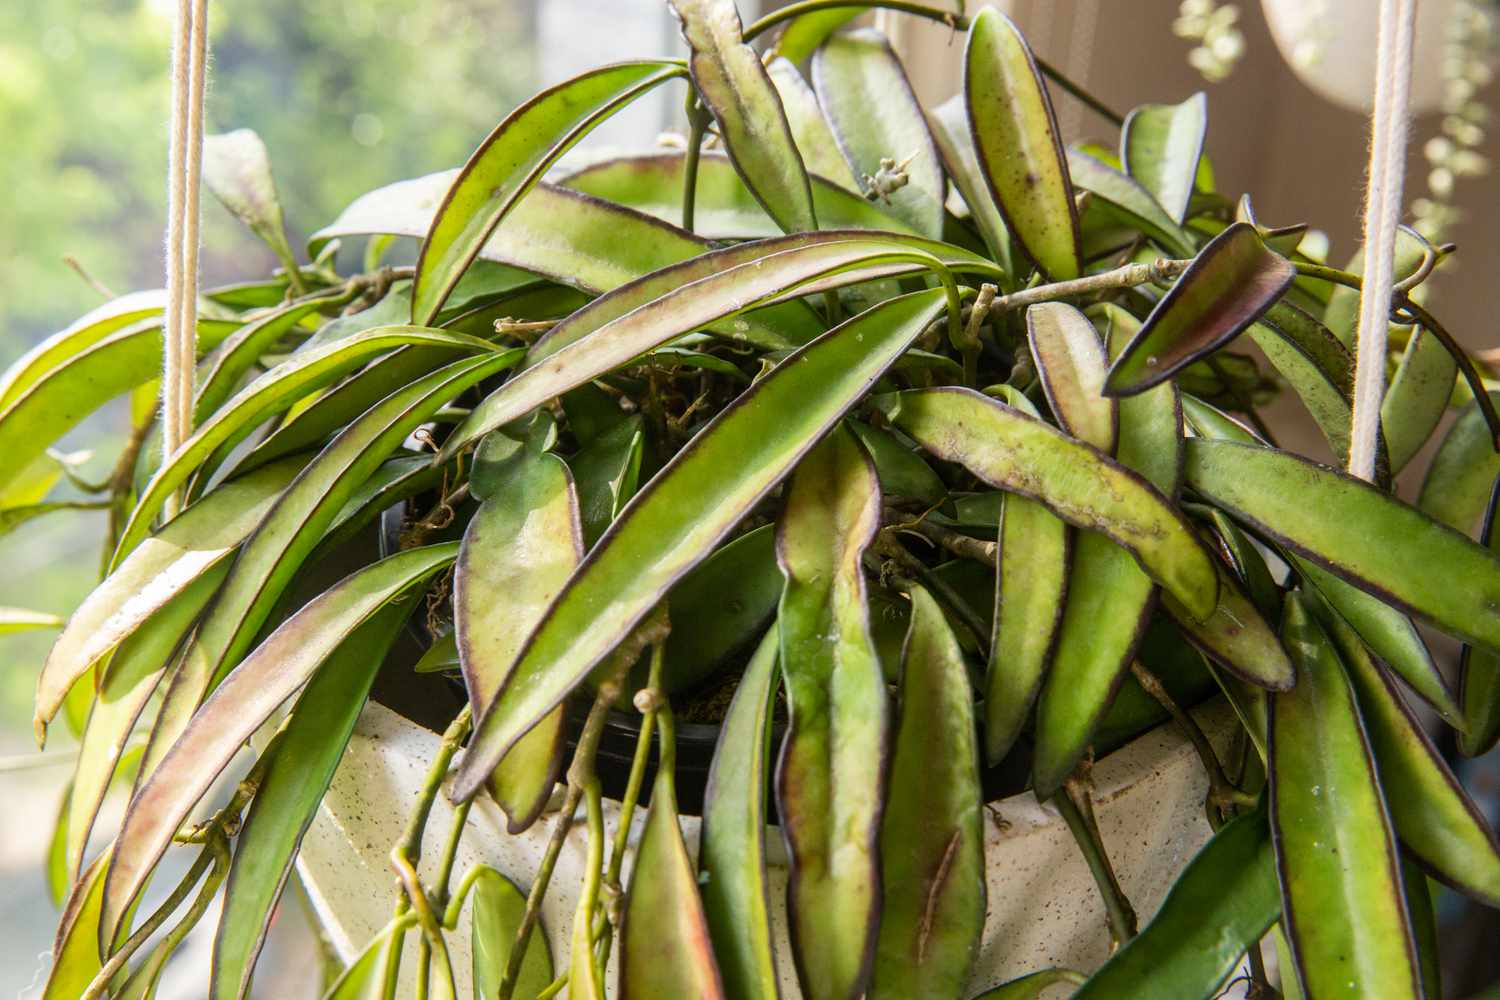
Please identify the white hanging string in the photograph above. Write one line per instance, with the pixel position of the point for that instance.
(1388, 136)
(184, 170)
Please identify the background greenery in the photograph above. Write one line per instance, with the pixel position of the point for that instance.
(348, 95)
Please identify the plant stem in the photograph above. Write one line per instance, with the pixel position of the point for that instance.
(650, 701)
(408, 850)
(151, 969)
(583, 958)
(1466, 367)
(653, 629)
(1082, 96)
(450, 850)
(119, 488)
(957, 22)
(118, 960)
(1223, 798)
(887, 545)
(1077, 810)
(543, 877)
(968, 345)
(1323, 272)
(432, 931)
(956, 542)
(698, 118)
(1403, 302)
(1128, 276)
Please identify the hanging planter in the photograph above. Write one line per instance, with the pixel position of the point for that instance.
(927, 507)
(1043, 911)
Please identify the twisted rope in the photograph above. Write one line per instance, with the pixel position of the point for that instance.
(184, 171)
(1388, 137)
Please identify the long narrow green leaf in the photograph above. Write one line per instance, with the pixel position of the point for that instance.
(678, 518)
(1424, 926)
(1080, 484)
(61, 397)
(1237, 637)
(1110, 599)
(75, 951)
(1389, 634)
(160, 567)
(282, 664)
(606, 472)
(1329, 399)
(83, 333)
(237, 170)
(804, 33)
(902, 472)
(732, 840)
(1015, 136)
(932, 840)
(553, 232)
(518, 551)
(875, 117)
(1217, 910)
(1479, 669)
(732, 81)
(291, 788)
(1033, 986)
(949, 124)
(271, 393)
(1457, 488)
(14, 620)
(724, 207)
(1324, 350)
(665, 950)
(811, 255)
(364, 979)
(135, 672)
(1336, 855)
(1230, 284)
(587, 243)
(293, 530)
(1433, 815)
(1160, 145)
(806, 262)
(1071, 362)
(499, 908)
(1031, 581)
(831, 775)
(1125, 201)
(1417, 564)
(512, 159)
(810, 130)
(1417, 398)
(242, 349)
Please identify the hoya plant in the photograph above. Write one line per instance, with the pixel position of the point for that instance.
(916, 451)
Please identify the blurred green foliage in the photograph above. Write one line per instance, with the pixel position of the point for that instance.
(348, 95)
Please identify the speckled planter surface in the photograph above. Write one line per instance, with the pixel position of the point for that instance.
(1043, 908)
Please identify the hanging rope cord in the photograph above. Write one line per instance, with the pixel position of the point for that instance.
(185, 170)
(1388, 138)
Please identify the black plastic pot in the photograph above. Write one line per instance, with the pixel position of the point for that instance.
(433, 705)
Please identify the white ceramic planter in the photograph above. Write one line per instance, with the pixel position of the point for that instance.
(1043, 908)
